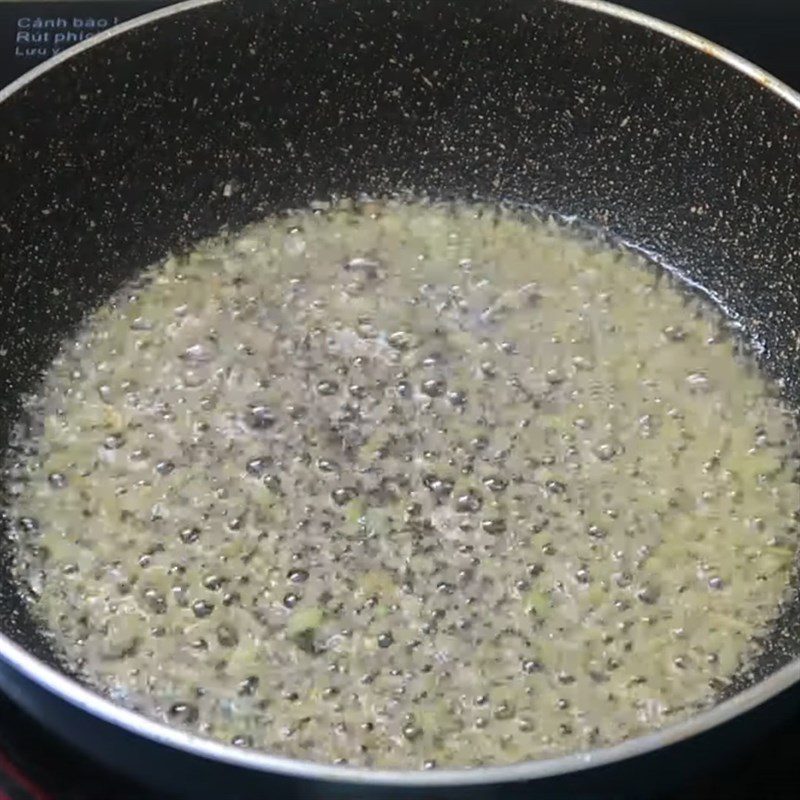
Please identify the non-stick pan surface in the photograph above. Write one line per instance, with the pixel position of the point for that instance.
(120, 153)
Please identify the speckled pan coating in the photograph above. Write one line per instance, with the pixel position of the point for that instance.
(123, 152)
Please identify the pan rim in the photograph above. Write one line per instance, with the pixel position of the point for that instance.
(73, 693)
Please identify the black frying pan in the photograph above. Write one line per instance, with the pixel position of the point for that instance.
(119, 152)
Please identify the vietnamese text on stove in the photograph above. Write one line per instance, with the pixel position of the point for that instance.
(38, 37)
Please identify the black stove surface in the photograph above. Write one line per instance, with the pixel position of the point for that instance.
(33, 765)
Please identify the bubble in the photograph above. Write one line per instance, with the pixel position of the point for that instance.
(260, 418)
(343, 495)
(248, 687)
(184, 713)
(674, 333)
(494, 526)
(258, 466)
(441, 487)
(385, 640)
(57, 480)
(368, 267)
(213, 582)
(433, 387)
(327, 388)
(605, 451)
(495, 483)
(114, 441)
(504, 710)
(155, 601)
(400, 340)
(290, 600)
(698, 381)
(468, 503)
(412, 732)
(272, 482)
(198, 354)
(227, 635)
(189, 535)
(488, 369)
(28, 524)
(582, 363)
(231, 598)
(480, 443)
(531, 666)
(296, 411)
(202, 608)
(458, 398)
(582, 576)
(358, 391)
(648, 594)
(554, 376)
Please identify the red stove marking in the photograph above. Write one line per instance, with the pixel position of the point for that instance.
(9, 768)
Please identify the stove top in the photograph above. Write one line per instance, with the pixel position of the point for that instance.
(35, 766)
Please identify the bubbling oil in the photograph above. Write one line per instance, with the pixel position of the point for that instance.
(406, 485)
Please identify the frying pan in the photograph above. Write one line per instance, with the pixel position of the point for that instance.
(118, 151)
